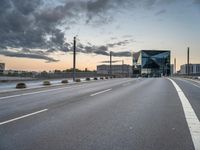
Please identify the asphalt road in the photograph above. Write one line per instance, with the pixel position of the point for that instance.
(117, 114)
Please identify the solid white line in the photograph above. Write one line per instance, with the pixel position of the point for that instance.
(24, 116)
(191, 118)
(189, 81)
(32, 88)
(38, 92)
(100, 92)
(6, 97)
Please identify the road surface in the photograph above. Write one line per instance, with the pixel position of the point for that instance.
(116, 114)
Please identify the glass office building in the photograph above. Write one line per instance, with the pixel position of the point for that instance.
(152, 63)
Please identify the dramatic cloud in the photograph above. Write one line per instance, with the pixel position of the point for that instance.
(160, 12)
(120, 43)
(39, 24)
(104, 49)
(27, 55)
(197, 1)
(122, 54)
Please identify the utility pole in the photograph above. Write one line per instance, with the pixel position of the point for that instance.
(122, 68)
(163, 67)
(188, 61)
(174, 65)
(74, 60)
(110, 63)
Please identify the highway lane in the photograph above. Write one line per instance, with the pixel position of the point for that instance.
(114, 114)
(13, 104)
(192, 92)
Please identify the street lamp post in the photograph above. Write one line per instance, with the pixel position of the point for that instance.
(122, 68)
(188, 61)
(110, 63)
(74, 60)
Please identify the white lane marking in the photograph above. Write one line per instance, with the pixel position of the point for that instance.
(191, 118)
(43, 91)
(9, 96)
(32, 88)
(100, 92)
(38, 92)
(24, 116)
(188, 81)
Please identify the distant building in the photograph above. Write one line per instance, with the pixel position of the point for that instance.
(152, 62)
(117, 70)
(194, 69)
(2, 67)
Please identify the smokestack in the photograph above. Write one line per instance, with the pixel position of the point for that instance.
(110, 63)
(122, 67)
(174, 65)
(74, 60)
(188, 61)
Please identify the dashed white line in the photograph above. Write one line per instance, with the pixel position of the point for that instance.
(191, 118)
(100, 92)
(24, 116)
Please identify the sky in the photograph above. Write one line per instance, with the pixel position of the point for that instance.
(38, 35)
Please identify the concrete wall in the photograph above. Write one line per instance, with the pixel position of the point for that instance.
(67, 75)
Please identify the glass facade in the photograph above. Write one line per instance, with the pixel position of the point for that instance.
(154, 62)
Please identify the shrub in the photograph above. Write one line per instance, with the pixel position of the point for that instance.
(64, 81)
(87, 79)
(21, 86)
(78, 80)
(95, 78)
(46, 83)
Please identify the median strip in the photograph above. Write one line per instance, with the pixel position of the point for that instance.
(21, 117)
(100, 92)
(190, 116)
